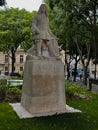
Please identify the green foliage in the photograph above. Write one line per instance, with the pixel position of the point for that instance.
(9, 94)
(3, 87)
(15, 28)
(77, 23)
(2, 92)
(75, 92)
(87, 120)
(75, 20)
(13, 94)
(13, 90)
(3, 82)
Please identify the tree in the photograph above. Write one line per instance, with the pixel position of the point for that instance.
(85, 21)
(77, 19)
(15, 30)
(57, 23)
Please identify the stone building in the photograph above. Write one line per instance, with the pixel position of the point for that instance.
(6, 65)
(5, 61)
(91, 66)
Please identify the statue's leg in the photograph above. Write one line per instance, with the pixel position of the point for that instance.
(38, 47)
(50, 48)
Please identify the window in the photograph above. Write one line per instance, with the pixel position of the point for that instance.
(6, 58)
(21, 58)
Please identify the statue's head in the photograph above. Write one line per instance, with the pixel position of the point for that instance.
(42, 9)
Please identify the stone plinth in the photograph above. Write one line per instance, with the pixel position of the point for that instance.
(43, 87)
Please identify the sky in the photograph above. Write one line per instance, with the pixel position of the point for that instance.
(30, 5)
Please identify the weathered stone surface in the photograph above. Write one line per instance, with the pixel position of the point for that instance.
(43, 86)
(46, 43)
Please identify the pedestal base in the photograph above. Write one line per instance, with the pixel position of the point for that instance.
(22, 113)
(43, 87)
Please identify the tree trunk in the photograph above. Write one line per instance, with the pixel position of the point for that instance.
(85, 75)
(75, 68)
(94, 33)
(67, 62)
(13, 59)
(95, 72)
(68, 72)
(75, 71)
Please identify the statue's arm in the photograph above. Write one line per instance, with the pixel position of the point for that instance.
(34, 28)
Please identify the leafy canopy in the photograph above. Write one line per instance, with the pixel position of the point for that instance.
(15, 28)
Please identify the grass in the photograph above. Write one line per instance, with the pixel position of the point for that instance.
(87, 120)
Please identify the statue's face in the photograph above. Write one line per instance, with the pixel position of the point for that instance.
(43, 8)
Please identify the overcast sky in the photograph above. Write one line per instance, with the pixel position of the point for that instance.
(29, 5)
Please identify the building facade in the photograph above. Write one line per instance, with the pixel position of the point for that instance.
(6, 62)
(92, 67)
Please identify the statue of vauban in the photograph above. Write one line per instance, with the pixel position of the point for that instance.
(45, 42)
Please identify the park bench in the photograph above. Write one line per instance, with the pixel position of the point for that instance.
(92, 81)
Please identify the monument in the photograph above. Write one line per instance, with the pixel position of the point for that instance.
(43, 90)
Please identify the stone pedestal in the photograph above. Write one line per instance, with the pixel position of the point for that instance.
(43, 87)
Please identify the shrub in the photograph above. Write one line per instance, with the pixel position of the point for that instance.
(13, 94)
(3, 82)
(2, 92)
(75, 92)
